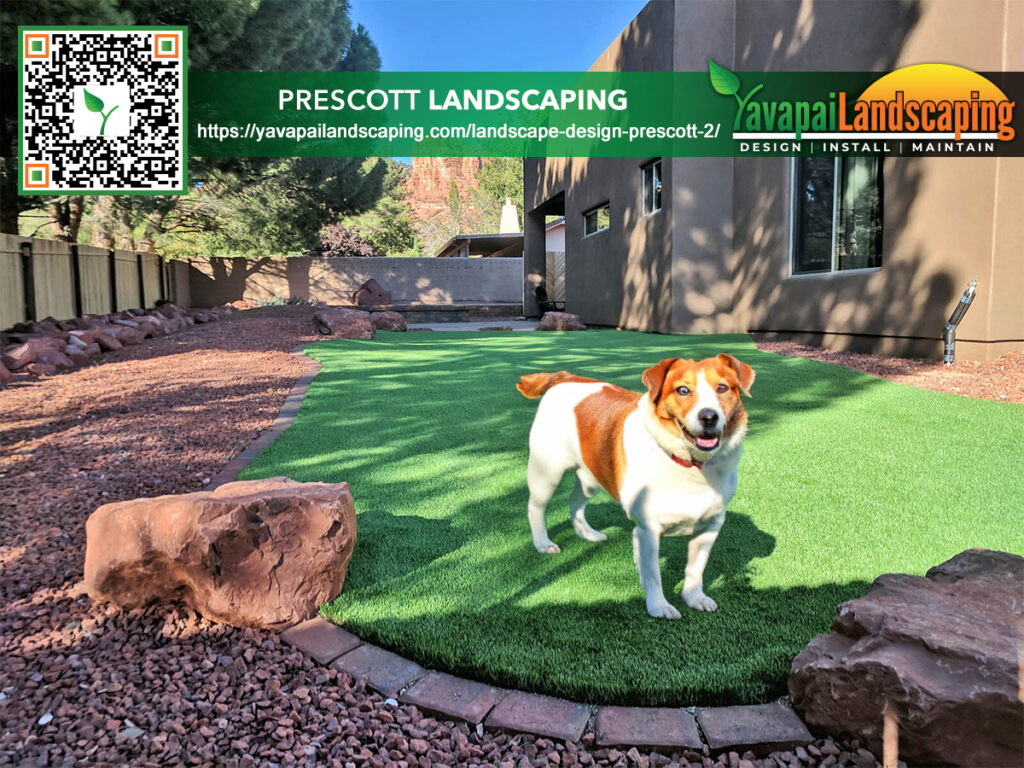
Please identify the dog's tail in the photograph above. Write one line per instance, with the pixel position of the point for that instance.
(536, 384)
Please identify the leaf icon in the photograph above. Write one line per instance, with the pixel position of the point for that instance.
(722, 80)
(92, 103)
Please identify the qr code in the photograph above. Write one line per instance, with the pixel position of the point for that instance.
(102, 110)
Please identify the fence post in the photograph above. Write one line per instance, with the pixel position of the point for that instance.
(28, 281)
(142, 279)
(162, 266)
(112, 261)
(76, 279)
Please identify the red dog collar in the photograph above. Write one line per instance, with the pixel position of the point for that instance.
(686, 462)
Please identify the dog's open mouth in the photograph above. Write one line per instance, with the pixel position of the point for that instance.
(708, 443)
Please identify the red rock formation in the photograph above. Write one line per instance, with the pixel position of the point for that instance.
(430, 182)
(940, 652)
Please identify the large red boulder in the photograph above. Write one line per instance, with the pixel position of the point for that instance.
(344, 323)
(259, 553)
(561, 321)
(42, 349)
(371, 294)
(388, 321)
(939, 652)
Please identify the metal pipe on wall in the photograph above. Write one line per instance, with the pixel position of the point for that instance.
(949, 334)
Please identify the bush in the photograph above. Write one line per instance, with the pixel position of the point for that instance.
(339, 240)
(277, 301)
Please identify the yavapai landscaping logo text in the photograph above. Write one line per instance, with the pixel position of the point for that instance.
(934, 107)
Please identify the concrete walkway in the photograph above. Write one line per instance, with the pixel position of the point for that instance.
(515, 325)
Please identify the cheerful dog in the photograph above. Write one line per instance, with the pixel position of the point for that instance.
(669, 457)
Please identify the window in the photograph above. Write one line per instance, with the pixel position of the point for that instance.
(837, 214)
(652, 186)
(596, 220)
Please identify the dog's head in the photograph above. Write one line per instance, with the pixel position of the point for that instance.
(696, 405)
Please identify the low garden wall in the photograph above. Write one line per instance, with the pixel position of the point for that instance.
(425, 281)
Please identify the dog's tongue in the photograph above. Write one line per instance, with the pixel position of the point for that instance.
(707, 443)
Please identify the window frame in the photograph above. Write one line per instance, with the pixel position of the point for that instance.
(643, 187)
(794, 203)
(599, 230)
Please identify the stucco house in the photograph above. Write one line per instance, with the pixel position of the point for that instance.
(862, 254)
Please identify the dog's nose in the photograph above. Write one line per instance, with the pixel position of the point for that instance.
(707, 417)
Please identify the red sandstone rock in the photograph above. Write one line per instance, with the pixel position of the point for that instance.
(371, 293)
(108, 342)
(940, 650)
(388, 321)
(34, 349)
(76, 354)
(344, 323)
(5, 375)
(258, 553)
(125, 334)
(170, 310)
(39, 369)
(561, 321)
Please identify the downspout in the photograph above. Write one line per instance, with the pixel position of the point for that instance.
(949, 336)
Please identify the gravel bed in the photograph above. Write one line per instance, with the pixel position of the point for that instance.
(85, 684)
(1000, 380)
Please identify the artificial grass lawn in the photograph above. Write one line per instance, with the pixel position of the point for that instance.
(844, 477)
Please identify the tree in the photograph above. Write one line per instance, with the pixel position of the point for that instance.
(361, 55)
(389, 226)
(58, 13)
(286, 35)
(340, 240)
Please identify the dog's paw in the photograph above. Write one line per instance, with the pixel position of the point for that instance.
(589, 534)
(547, 547)
(663, 610)
(699, 601)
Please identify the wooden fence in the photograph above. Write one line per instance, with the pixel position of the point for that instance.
(47, 278)
(555, 275)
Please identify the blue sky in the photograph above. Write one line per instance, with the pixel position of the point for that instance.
(492, 35)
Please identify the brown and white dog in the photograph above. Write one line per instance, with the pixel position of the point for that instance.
(669, 457)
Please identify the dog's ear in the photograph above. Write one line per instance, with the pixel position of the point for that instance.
(744, 373)
(654, 377)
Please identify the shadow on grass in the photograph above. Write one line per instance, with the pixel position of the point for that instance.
(432, 435)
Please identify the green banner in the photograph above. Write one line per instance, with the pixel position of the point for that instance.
(716, 113)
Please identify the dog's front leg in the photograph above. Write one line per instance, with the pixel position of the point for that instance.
(646, 551)
(697, 558)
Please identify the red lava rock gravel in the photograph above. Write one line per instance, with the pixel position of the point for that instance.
(85, 684)
(1001, 380)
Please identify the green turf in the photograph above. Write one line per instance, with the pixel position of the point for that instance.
(845, 477)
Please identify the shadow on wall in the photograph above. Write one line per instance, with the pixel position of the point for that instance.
(335, 280)
(910, 296)
(719, 260)
(621, 276)
(861, 35)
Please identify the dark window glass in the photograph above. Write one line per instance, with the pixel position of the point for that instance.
(652, 187)
(844, 216)
(596, 220)
(859, 229)
(814, 192)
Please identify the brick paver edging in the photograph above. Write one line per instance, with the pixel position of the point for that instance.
(760, 728)
(284, 419)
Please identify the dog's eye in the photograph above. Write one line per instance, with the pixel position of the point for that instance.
(722, 388)
(685, 392)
